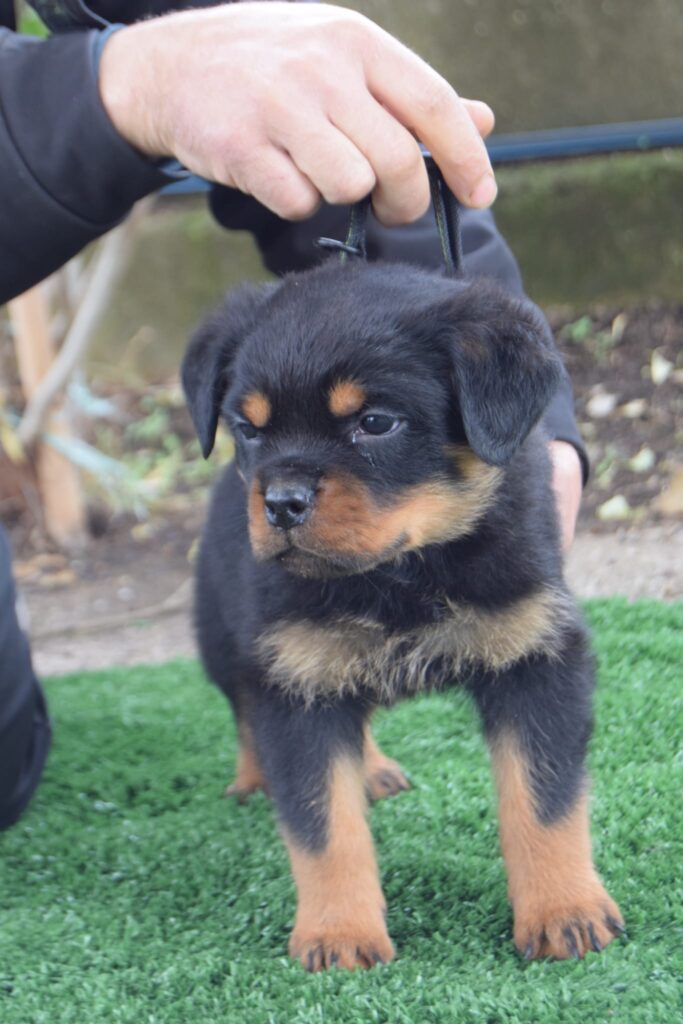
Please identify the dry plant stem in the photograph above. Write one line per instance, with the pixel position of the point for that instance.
(108, 267)
(62, 501)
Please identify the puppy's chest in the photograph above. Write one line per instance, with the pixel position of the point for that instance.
(353, 655)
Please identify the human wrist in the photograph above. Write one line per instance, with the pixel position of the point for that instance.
(131, 78)
(567, 481)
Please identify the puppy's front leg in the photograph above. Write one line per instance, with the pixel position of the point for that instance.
(537, 717)
(313, 762)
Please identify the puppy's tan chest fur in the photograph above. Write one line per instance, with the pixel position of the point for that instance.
(352, 655)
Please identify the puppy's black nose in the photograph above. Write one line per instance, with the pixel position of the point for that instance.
(288, 504)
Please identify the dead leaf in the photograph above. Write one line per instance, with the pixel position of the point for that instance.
(634, 409)
(143, 531)
(601, 405)
(642, 461)
(616, 508)
(618, 327)
(660, 368)
(670, 500)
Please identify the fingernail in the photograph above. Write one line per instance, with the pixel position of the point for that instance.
(484, 192)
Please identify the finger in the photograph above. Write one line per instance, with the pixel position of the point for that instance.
(271, 176)
(402, 190)
(483, 117)
(329, 159)
(429, 107)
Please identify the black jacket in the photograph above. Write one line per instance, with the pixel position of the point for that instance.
(67, 177)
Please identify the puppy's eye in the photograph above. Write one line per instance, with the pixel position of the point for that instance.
(377, 423)
(247, 430)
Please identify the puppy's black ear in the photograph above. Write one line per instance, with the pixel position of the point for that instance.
(205, 372)
(505, 368)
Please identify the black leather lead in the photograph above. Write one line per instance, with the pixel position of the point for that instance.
(446, 214)
(354, 244)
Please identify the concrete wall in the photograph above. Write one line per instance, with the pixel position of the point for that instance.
(549, 63)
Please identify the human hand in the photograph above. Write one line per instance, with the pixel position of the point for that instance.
(294, 103)
(568, 487)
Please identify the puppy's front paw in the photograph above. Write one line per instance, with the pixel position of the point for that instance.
(349, 946)
(570, 929)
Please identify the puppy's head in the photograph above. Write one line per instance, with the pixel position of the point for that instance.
(373, 407)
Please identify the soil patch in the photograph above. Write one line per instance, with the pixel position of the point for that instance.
(627, 371)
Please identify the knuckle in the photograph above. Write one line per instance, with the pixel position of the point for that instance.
(234, 162)
(352, 25)
(403, 162)
(298, 66)
(298, 204)
(354, 185)
(436, 98)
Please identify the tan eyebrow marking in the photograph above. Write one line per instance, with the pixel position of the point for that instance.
(346, 397)
(256, 407)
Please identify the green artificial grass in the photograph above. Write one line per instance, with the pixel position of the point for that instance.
(130, 892)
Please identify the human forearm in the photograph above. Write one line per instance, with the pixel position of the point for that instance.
(66, 176)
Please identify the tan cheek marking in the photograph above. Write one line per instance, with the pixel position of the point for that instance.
(465, 502)
(258, 526)
(439, 513)
(345, 398)
(257, 409)
(552, 882)
(347, 519)
(265, 542)
(340, 912)
(354, 654)
(436, 513)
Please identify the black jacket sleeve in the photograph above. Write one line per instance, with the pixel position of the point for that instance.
(66, 176)
(289, 246)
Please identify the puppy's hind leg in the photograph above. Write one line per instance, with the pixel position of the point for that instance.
(249, 778)
(537, 718)
(313, 762)
(383, 776)
(223, 664)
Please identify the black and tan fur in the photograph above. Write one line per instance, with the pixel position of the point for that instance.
(388, 527)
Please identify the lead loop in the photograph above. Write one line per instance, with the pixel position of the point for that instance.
(446, 214)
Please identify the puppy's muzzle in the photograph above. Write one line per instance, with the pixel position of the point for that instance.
(288, 503)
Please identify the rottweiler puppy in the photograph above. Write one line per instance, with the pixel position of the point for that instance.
(387, 527)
